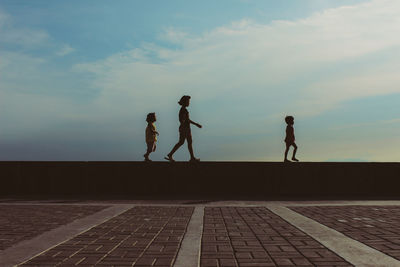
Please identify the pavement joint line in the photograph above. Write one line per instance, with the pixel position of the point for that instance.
(348, 203)
(351, 250)
(28, 249)
(218, 203)
(306, 203)
(189, 252)
(61, 204)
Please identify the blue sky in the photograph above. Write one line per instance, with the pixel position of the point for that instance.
(77, 78)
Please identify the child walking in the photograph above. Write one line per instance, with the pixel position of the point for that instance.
(151, 135)
(184, 130)
(290, 140)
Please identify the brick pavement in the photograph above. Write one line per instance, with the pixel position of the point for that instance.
(23, 222)
(254, 236)
(141, 236)
(151, 235)
(375, 226)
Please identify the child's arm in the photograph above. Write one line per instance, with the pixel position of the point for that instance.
(153, 130)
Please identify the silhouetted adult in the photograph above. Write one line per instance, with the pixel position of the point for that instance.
(290, 139)
(184, 130)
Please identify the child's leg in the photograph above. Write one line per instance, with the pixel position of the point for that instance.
(286, 151)
(149, 150)
(294, 152)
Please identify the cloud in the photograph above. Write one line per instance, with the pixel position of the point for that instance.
(174, 36)
(280, 61)
(26, 37)
(65, 50)
(3, 18)
(243, 78)
(381, 123)
(253, 74)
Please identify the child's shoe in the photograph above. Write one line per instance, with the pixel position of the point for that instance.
(294, 159)
(194, 160)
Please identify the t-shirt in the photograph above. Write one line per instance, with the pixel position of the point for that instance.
(151, 135)
(184, 119)
(289, 134)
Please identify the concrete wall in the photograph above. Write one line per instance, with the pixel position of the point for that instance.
(239, 180)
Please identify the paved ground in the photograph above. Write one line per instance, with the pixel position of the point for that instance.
(18, 223)
(375, 226)
(199, 233)
(248, 236)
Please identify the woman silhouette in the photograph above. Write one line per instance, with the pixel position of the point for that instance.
(184, 130)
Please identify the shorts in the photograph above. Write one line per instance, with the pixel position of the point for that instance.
(185, 133)
(151, 146)
(290, 142)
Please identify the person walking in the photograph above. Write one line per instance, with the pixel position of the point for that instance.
(290, 139)
(184, 130)
(151, 135)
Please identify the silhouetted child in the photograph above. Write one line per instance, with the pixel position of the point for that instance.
(151, 135)
(289, 140)
(184, 129)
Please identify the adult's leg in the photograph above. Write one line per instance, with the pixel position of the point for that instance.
(190, 147)
(178, 145)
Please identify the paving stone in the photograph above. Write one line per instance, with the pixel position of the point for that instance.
(141, 236)
(375, 226)
(23, 222)
(254, 236)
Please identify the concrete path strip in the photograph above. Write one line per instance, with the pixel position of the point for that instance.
(27, 249)
(351, 250)
(189, 254)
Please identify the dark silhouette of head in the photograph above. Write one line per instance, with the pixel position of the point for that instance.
(289, 119)
(151, 117)
(185, 100)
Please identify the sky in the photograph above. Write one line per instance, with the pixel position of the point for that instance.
(77, 78)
